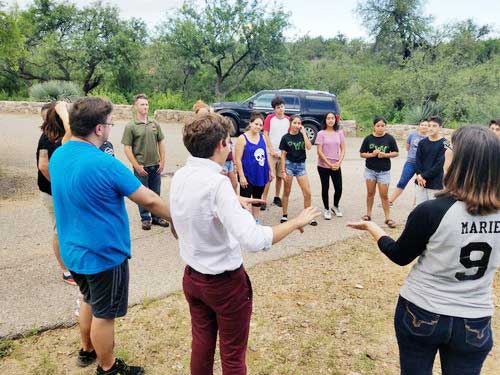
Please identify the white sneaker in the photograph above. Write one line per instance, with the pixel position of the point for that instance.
(336, 211)
(327, 215)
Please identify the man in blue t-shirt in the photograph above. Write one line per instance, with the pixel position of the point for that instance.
(88, 188)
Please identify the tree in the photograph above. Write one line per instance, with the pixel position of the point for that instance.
(82, 45)
(231, 38)
(397, 25)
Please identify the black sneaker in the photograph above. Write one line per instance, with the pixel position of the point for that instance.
(284, 219)
(160, 222)
(120, 368)
(263, 206)
(277, 201)
(85, 359)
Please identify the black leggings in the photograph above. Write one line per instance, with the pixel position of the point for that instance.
(252, 191)
(324, 175)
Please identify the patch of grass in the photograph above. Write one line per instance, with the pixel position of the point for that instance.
(123, 354)
(308, 318)
(45, 366)
(6, 347)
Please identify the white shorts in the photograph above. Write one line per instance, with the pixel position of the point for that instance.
(49, 205)
(422, 194)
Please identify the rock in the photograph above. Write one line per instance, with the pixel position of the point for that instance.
(359, 286)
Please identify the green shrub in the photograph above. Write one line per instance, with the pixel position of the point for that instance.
(55, 90)
(360, 105)
(114, 97)
(414, 114)
(168, 100)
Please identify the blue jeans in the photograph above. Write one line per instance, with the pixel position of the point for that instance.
(293, 168)
(153, 182)
(407, 174)
(463, 344)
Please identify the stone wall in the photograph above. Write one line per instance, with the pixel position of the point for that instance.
(172, 115)
(120, 112)
(401, 131)
(124, 112)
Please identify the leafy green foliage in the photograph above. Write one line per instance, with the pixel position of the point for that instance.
(232, 38)
(233, 49)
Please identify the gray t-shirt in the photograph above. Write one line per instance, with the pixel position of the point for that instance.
(413, 140)
(458, 255)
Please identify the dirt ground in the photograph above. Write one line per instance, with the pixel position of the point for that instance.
(328, 311)
(32, 295)
(323, 300)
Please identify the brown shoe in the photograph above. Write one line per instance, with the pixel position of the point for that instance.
(146, 225)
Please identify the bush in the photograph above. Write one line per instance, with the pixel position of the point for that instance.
(169, 100)
(55, 90)
(114, 97)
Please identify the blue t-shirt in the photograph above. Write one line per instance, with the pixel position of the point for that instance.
(413, 140)
(88, 189)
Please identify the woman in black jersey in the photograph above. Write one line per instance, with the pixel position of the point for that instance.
(55, 122)
(446, 301)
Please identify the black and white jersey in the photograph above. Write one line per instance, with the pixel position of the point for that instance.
(458, 257)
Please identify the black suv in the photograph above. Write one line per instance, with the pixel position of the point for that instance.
(309, 104)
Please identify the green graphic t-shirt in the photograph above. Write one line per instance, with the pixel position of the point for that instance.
(385, 144)
(294, 146)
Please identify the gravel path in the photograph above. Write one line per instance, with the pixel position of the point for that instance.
(32, 296)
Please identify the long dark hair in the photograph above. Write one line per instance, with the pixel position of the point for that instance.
(336, 125)
(53, 126)
(474, 173)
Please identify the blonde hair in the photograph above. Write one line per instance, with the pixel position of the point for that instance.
(200, 107)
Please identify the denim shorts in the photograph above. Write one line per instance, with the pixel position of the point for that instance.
(382, 177)
(228, 166)
(295, 169)
(407, 174)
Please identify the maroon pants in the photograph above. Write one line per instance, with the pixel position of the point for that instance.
(220, 303)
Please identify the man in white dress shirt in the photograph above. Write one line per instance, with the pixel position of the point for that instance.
(212, 227)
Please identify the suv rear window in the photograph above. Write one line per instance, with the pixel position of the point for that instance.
(320, 103)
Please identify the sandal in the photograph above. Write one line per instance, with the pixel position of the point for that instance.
(390, 223)
(366, 218)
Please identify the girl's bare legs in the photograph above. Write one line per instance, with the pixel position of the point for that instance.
(286, 193)
(383, 191)
(371, 186)
(395, 195)
(306, 189)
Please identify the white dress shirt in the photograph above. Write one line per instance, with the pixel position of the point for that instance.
(209, 220)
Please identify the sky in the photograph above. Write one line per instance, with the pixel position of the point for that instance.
(324, 18)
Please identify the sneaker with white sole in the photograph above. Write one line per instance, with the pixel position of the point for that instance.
(327, 215)
(336, 211)
(284, 219)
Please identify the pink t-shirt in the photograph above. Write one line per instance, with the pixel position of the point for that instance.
(330, 142)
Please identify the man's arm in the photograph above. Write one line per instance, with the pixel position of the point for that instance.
(135, 164)
(61, 109)
(43, 163)
(161, 149)
(153, 203)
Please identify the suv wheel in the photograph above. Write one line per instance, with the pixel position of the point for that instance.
(311, 131)
(235, 129)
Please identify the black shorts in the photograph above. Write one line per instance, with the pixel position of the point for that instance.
(252, 191)
(106, 292)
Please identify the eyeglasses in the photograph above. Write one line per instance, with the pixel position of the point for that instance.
(108, 124)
